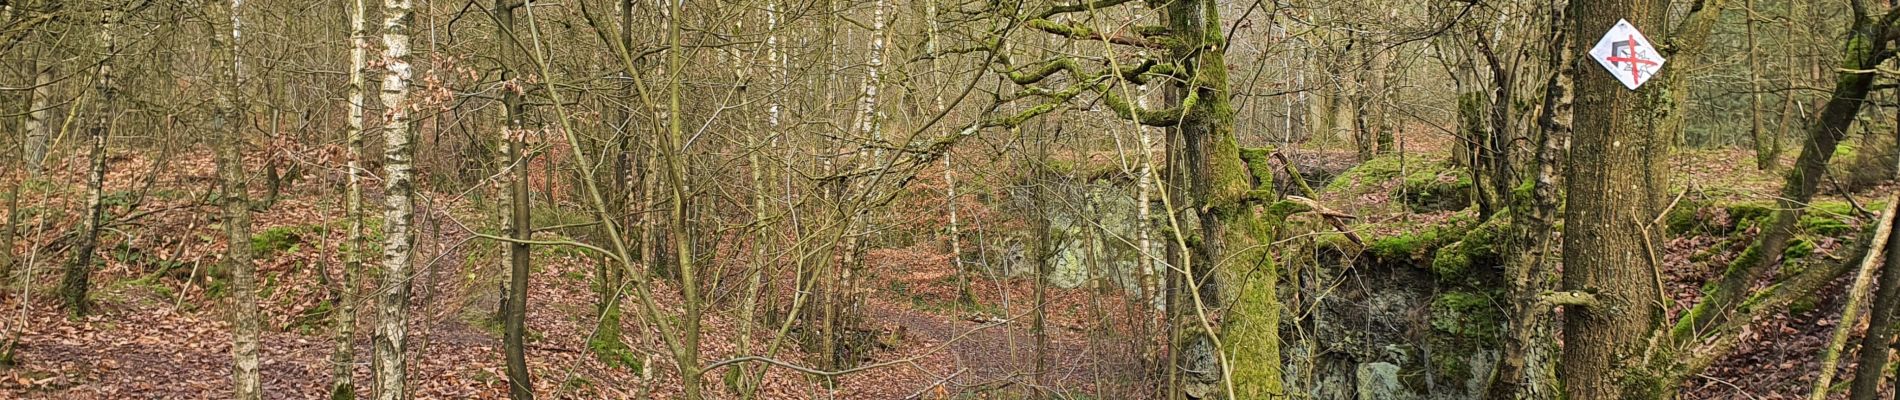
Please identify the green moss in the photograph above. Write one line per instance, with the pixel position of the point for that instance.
(1463, 261)
(1282, 209)
(1257, 160)
(1837, 208)
(1683, 219)
(1466, 314)
(1747, 211)
(1378, 169)
(287, 238)
(1437, 189)
(1418, 244)
(1411, 245)
(1451, 261)
(1825, 224)
(1846, 150)
(1798, 248)
(1804, 304)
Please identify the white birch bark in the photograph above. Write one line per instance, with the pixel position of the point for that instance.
(399, 204)
(343, 359)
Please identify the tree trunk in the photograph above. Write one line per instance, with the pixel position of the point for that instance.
(38, 120)
(8, 233)
(1527, 370)
(1880, 324)
(1766, 147)
(78, 277)
(392, 306)
(343, 360)
(226, 29)
(686, 354)
(1228, 269)
(1614, 183)
(1144, 204)
(1866, 47)
(515, 218)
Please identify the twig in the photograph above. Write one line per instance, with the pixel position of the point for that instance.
(1333, 217)
(1831, 355)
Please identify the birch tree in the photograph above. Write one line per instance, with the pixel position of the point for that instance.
(78, 277)
(226, 121)
(392, 306)
(343, 359)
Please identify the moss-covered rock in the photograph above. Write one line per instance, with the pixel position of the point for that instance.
(1466, 326)
(1407, 246)
(1466, 314)
(1378, 169)
(1437, 189)
(1472, 259)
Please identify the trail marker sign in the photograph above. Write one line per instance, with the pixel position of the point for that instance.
(1627, 54)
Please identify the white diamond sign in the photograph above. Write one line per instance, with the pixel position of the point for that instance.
(1627, 54)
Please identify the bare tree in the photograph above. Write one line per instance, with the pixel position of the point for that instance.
(78, 277)
(399, 189)
(343, 359)
(226, 120)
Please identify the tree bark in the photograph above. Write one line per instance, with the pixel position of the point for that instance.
(1527, 370)
(38, 124)
(78, 275)
(1614, 185)
(399, 189)
(1229, 270)
(343, 358)
(1880, 326)
(515, 218)
(226, 29)
(1767, 145)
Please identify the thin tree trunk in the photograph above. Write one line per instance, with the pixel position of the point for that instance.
(236, 199)
(1766, 148)
(38, 120)
(516, 218)
(78, 277)
(1144, 204)
(8, 233)
(1856, 294)
(1526, 370)
(1880, 326)
(399, 205)
(343, 360)
(687, 353)
(1612, 191)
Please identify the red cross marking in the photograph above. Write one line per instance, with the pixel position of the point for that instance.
(1633, 60)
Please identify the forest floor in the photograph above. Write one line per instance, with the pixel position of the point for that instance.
(160, 332)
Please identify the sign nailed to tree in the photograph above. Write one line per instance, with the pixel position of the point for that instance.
(1627, 54)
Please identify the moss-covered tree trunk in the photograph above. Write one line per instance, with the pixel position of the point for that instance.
(1614, 183)
(1709, 329)
(1233, 275)
(1527, 368)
